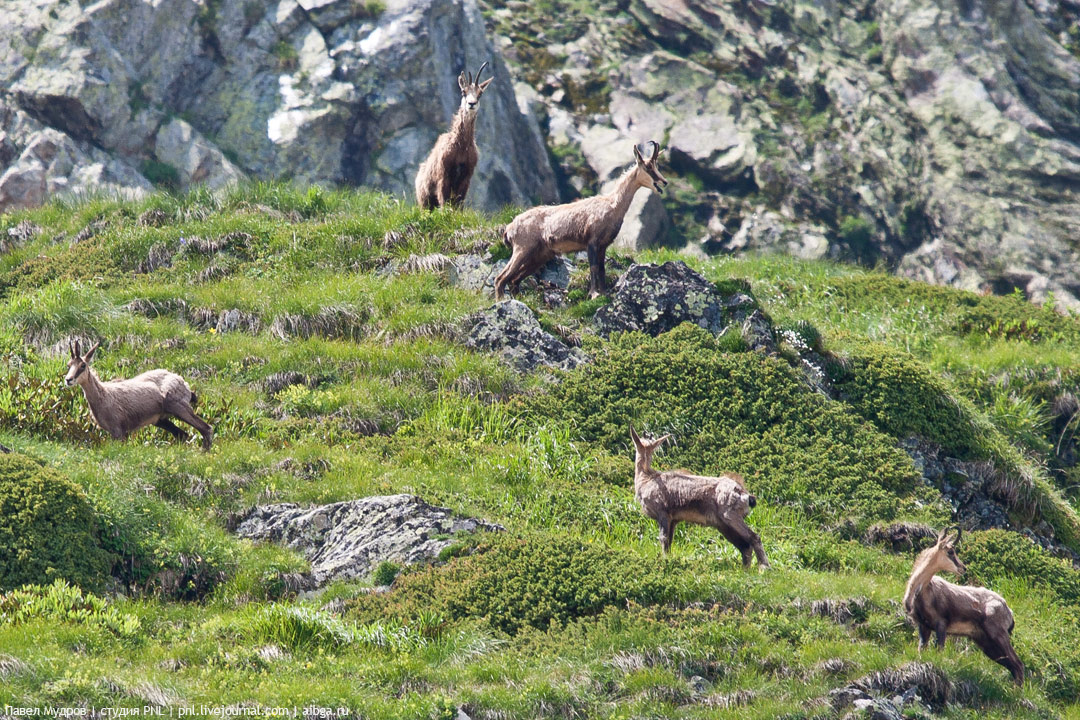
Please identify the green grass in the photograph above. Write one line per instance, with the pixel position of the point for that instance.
(571, 612)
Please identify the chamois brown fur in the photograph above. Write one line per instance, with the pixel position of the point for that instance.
(120, 407)
(676, 496)
(445, 175)
(942, 608)
(591, 224)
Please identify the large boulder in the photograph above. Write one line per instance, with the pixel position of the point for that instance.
(348, 540)
(188, 92)
(656, 298)
(510, 330)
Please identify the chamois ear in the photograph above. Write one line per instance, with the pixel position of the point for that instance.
(92, 351)
(660, 441)
(462, 82)
(637, 156)
(634, 436)
(483, 85)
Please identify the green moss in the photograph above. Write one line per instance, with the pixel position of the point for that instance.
(741, 412)
(47, 529)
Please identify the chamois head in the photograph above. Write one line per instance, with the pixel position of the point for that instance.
(647, 173)
(645, 448)
(472, 89)
(78, 364)
(942, 555)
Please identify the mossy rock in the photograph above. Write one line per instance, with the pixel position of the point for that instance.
(48, 530)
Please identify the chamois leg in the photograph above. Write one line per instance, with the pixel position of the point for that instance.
(597, 278)
(739, 534)
(999, 648)
(167, 425)
(517, 260)
(530, 262)
(667, 532)
(188, 415)
(939, 632)
(924, 636)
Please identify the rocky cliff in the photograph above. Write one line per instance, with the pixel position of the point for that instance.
(124, 94)
(941, 138)
(938, 137)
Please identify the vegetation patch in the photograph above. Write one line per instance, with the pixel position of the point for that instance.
(742, 412)
(540, 581)
(995, 554)
(48, 530)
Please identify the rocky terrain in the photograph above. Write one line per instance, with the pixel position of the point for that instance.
(938, 138)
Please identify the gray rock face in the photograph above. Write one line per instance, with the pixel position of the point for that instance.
(656, 298)
(940, 138)
(510, 330)
(348, 540)
(317, 91)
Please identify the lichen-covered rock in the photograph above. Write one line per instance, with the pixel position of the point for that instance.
(656, 298)
(348, 540)
(510, 330)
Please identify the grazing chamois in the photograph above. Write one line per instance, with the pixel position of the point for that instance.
(939, 607)
(445, 175)
(120, 407)
(675, 496)
(591, 224)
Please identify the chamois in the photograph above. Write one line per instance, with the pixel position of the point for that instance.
(120, 407)
(939, 607)
(445, 175)
(675, 496)
(591, 224)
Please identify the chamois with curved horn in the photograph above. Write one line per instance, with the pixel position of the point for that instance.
(942, 608)
(591, 224)
(120, 407)
(675, 496)
(445, 175)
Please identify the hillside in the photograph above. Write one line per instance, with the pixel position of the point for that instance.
(885, 407)
(941, 139)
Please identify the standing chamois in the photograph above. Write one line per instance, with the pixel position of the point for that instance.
(445, 175)
(939, 607)
(120, 407)
(676, 496)
(590, 224)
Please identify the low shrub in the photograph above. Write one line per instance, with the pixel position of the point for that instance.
(48, 530)
(742, 412)
(539, 581)
(902, 397)
(298, 628)
(994, 554)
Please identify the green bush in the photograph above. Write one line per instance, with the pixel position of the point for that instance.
(742, 412)
(902, 397)
(47, 529)
(538, 581)
(995, 554)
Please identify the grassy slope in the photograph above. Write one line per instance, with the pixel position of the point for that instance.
(415, 654)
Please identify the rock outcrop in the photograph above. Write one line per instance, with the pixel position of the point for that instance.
(940, 138)
(348, 540)
(656, 298)
(510, 330)
(123, 94)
